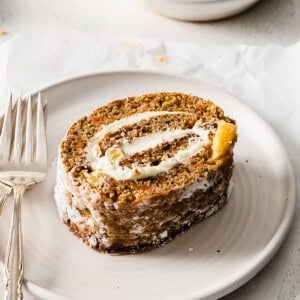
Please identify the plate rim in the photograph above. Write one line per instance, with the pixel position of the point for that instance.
(278, 237)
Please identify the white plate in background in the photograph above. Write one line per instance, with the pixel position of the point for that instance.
(210, 260)
(200, 10)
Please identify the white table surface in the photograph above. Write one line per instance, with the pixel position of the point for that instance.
(271, 21)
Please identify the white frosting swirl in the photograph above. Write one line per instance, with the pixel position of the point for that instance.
(113, 169)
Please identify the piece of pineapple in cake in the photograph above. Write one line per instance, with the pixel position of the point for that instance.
(114, 154)
(94, 177)
(223, 139)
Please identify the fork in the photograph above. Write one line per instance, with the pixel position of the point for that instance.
(23, 162)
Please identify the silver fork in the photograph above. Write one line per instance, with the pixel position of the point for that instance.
(23, 162)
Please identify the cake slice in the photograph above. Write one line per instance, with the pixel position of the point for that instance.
(137, 172)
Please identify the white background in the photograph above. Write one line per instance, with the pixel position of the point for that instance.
(269, 22)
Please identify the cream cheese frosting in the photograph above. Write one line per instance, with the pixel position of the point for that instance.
(139, 144)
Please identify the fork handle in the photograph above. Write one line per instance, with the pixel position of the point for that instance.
(13, 276)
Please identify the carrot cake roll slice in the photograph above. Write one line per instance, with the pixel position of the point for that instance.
(138, 171)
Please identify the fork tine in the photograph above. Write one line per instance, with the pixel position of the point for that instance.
(17, 150)
(28, 134)
(6, 136)
(41, 143)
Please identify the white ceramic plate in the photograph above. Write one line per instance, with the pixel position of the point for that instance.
(200, 10)
(210, 260)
